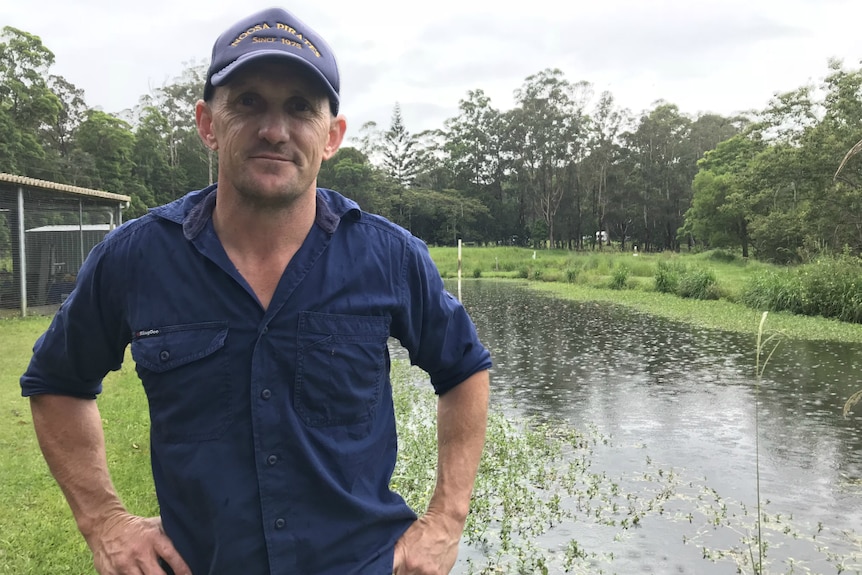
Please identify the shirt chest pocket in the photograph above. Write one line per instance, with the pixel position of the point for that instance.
(185, 373)
(341, 365)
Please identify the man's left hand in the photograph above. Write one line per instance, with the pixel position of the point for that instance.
(428, 547)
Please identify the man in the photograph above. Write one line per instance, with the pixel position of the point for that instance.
(258, 312)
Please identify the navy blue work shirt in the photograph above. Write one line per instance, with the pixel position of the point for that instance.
(272, 431)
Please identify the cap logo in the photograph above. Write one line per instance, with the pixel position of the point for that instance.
(279, 26)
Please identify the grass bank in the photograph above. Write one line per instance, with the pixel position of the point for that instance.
(586, 276)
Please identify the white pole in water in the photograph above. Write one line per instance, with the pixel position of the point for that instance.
(459, 270)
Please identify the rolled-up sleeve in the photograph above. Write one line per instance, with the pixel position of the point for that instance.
(87, 336)
(434, 327)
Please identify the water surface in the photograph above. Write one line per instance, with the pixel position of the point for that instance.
(683, 398)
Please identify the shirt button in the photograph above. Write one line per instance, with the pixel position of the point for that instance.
(279, 523)
(266, 394)
(265, 330)
(272, 459)
(164, 355)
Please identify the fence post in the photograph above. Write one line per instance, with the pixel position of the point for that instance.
(22, 252)
(459, 270)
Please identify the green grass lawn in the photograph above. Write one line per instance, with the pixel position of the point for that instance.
(38, 533)
(589, 268)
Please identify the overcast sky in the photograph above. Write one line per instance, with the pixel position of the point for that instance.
(705, 56)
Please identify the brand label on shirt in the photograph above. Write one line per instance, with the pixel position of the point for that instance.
(145, 333)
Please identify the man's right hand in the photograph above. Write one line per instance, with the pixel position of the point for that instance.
(129, 545)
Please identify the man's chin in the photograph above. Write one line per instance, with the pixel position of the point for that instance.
(271, 195)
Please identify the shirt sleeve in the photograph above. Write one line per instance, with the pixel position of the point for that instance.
(434, 327)
(87, 336)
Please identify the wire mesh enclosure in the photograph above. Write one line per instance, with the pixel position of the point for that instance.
(46, 232)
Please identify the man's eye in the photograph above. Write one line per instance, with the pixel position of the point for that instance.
(247, 100)
(300, 106)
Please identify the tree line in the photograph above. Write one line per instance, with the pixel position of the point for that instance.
(561, 166)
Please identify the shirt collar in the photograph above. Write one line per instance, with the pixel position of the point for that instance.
(194, 210)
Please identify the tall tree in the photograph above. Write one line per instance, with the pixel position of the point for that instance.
(720, 212)
(27, 104)
(661, 174)
(350, 173)
(546, 140)
(604, 153)
(111, 143)
(399, 151)
(168, 116)
(473, 146)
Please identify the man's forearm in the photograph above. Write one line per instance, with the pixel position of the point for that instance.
(72, 440)
(462, 415)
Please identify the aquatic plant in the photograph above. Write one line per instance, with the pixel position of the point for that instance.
(759, 367)
(541, 503)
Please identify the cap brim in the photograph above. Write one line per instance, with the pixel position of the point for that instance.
(221, 77)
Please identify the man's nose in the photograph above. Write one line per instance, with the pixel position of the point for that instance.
(274, 127)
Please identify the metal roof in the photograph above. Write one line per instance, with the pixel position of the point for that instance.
(64, 188)
(72, 228)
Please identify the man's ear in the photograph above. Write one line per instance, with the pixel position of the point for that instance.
(337, 129)
(204, 121)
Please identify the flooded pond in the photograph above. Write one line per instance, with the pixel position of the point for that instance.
(679, 401)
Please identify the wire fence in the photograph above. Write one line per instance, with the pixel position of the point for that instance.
(40, 261)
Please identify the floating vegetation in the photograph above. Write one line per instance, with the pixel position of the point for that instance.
(542, 504)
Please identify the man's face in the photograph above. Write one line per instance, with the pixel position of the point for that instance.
(272, 128)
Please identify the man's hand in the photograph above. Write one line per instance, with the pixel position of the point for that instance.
(428, 547)
(129, 545)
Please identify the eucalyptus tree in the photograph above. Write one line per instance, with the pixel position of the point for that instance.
(660, 177)
(601, 170)
(547, 141)
(170, 109)
(60, 135)
(473, 149)
(473, 142)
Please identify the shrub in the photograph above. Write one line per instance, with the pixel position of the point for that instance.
(641, 267)
(619, 277)
(829, 287)
(552, 275)
(571, 275)
(667, 276)
(523, 273)
(833, 288)
(775, 291)
(698, 283)
(477, 272)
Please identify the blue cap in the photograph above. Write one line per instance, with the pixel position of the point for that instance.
(273, 33)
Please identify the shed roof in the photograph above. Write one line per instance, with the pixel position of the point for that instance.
(63, 188)
(73, 228)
